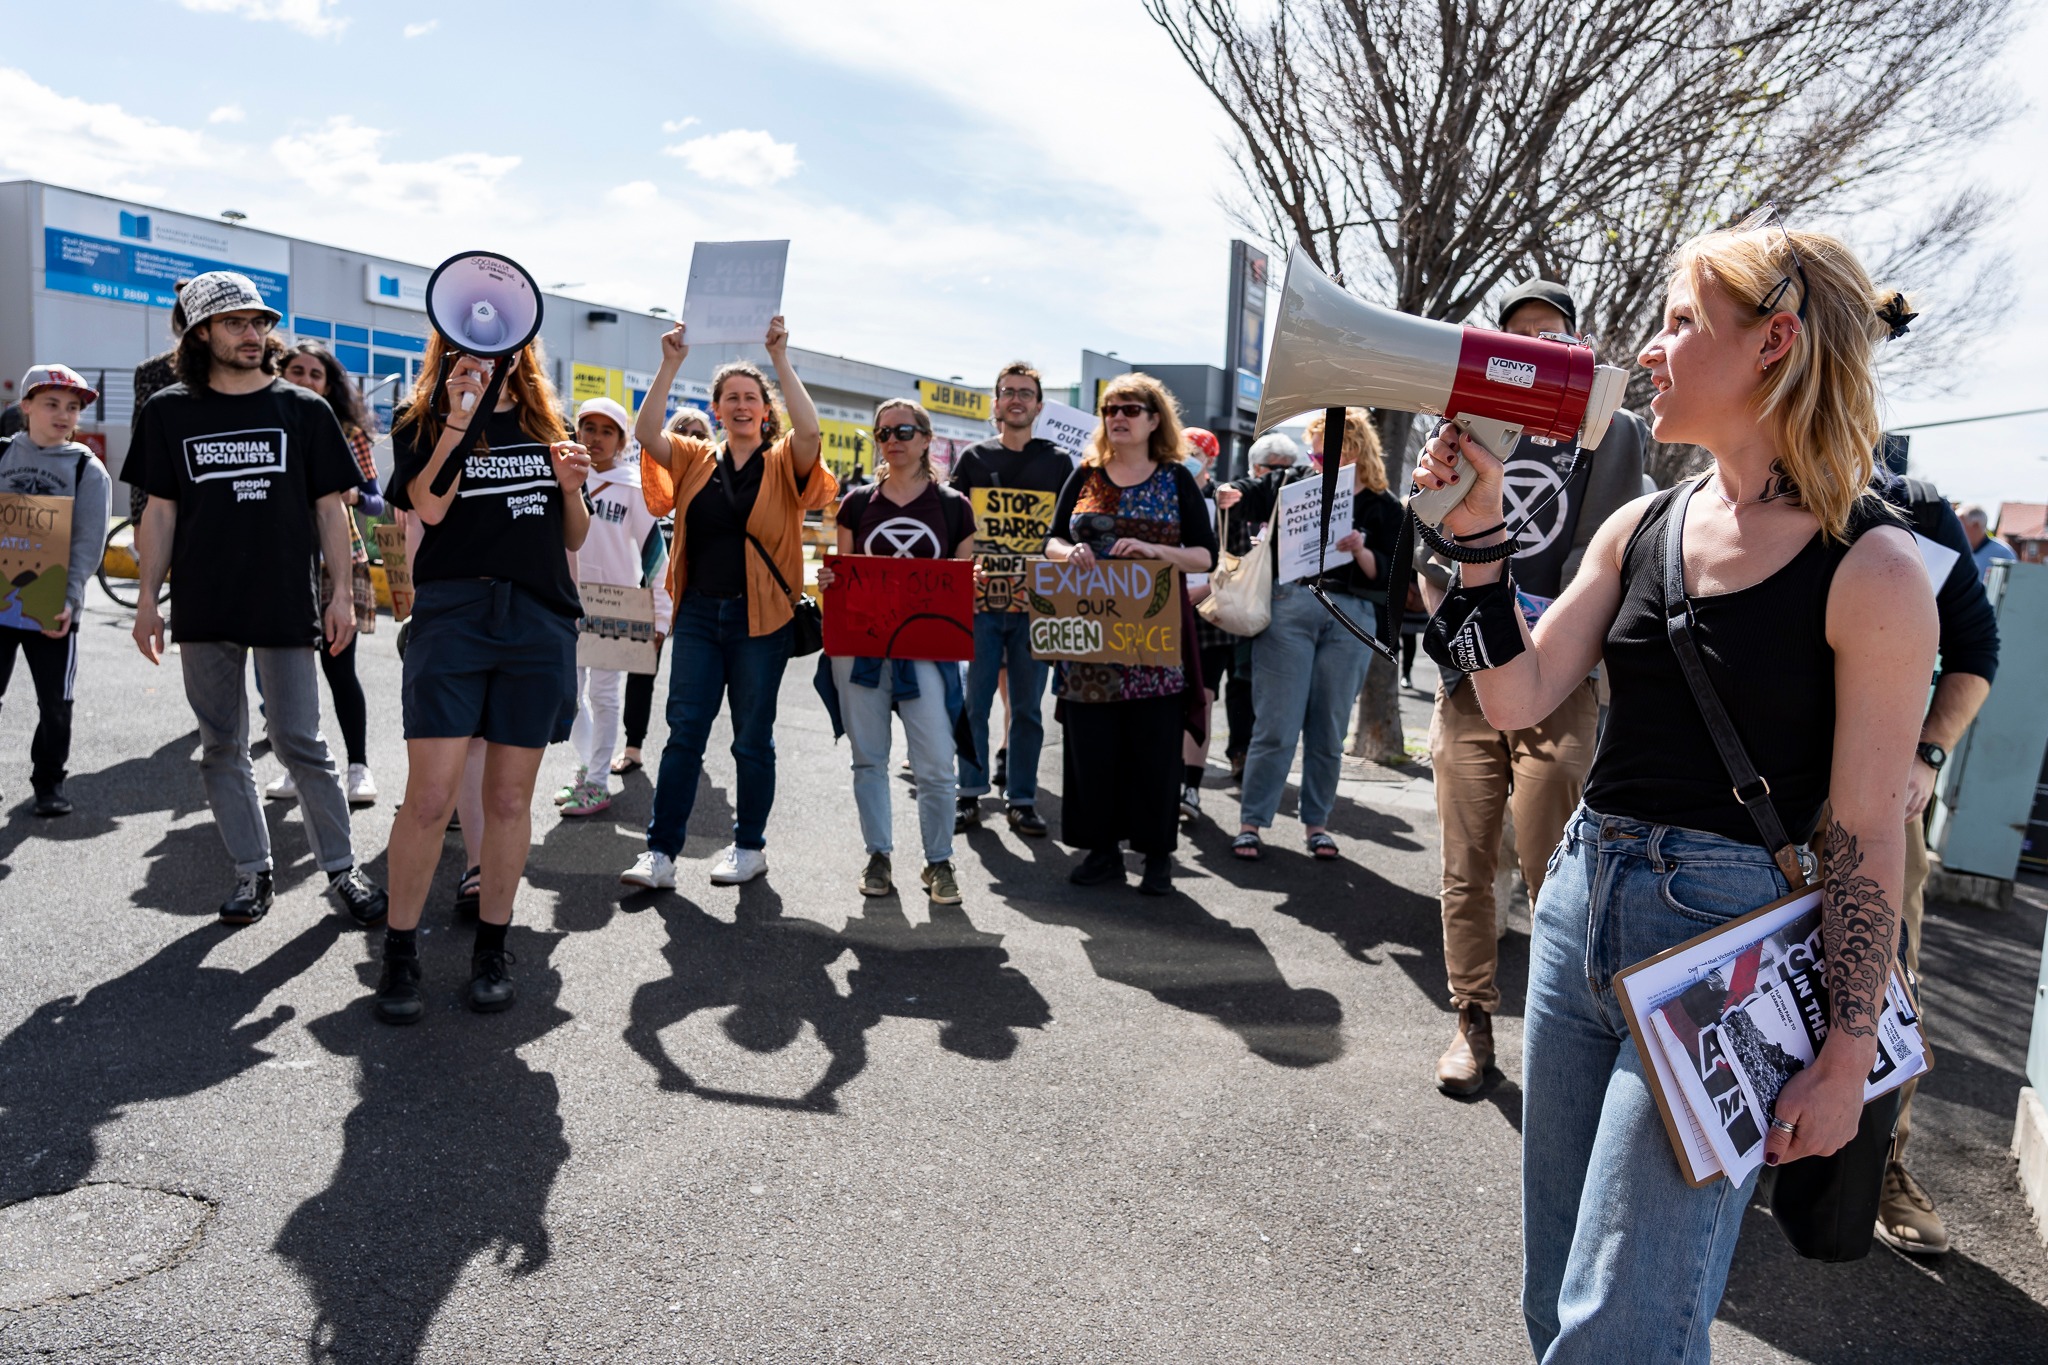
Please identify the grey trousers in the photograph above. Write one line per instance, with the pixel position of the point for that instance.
(216, 684)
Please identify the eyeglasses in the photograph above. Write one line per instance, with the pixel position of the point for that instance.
(1005, 395)
(1776, 298)
(902, 431)
(1126, 409)
(259, 326)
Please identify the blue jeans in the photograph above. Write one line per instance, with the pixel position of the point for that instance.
(715, 656)
(1306, 672)
(1622, 1260)
(927, 734)
(1002, 639)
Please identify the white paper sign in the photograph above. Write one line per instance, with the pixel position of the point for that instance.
(735, 287)
(1068, 428)
(617, 629)
(1299, 513)
(1938, 558)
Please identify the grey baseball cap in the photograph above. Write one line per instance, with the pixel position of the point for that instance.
(1548, 292)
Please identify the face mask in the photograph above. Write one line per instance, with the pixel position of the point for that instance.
(1196, 465)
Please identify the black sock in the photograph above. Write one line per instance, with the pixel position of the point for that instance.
(490, 938)
(401, 943)
(1191, 774)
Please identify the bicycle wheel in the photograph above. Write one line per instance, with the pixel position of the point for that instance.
(124, 590)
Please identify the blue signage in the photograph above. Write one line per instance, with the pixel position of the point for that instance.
(138, 271)
(1249, 389)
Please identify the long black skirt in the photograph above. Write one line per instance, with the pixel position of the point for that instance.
(1123, 774)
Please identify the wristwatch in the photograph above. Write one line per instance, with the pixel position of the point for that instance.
(1933, 755)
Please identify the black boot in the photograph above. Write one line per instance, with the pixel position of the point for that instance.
(251, 900)
(398, 989)
(1158, 878)
(1100, 867)
(490, 986)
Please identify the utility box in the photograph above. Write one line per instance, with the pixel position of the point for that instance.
(1984, 797)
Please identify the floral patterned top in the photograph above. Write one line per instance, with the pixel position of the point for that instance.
(1166, 509)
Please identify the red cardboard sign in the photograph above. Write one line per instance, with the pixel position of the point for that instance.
(884, 608)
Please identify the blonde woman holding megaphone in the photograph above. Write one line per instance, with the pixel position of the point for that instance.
(1813, 610)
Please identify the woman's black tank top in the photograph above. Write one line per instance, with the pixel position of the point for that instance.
(1766, 649)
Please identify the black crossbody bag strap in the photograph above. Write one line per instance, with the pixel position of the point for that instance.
(1750, 788)
(724, 468)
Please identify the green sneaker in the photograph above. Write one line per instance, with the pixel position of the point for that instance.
(941, 883)
(875, 881)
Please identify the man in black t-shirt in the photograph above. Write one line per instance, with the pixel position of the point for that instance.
(245, 474)
(1012, 529)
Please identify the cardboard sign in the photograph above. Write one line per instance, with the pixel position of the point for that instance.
(617, 629)
(1298, 517)
(880, 607)
(35, 556)
(735, 288)
(1000, 585)
(397, 568)
(1117, 611)
(1068, 428)
(1011, 525)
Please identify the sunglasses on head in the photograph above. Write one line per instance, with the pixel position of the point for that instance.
(1775, 300)
(1125, 409)
(902, 431)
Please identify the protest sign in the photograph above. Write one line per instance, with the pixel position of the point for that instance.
(1116, 611)
(1299, 517)
(617, 629)
(1010, 525)
(1068, 428)
(881, 607)
(397, 568)
(35, 554)
(735, 288)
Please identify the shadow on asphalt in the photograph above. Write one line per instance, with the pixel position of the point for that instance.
(767, 970)
(166, 780)
(451, 1151)
(168, 1028)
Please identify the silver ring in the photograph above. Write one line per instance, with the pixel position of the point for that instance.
(1788, 1129)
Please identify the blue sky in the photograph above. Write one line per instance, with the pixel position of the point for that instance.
(961, 182)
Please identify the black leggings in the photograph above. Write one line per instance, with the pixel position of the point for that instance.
(52, 667)
(639, 706)
(349, 706)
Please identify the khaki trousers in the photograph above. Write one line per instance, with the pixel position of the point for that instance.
(1480, 772)
(1912, 908)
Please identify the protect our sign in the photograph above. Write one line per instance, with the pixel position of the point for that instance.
(882, 607)
(130, 254)
(1116, 611)
(1066, 427)
(617, 629)
(35, 554)
(735, 288)
(1298, 519)
(1010, 527)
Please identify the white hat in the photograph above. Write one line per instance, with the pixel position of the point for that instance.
(54, 376)
(222, 291)
(1275, 447)
(605, 407)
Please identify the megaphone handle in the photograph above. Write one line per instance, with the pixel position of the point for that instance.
(1432, 505)
(445, 480)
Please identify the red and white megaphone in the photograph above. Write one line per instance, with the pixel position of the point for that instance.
(1332, 349)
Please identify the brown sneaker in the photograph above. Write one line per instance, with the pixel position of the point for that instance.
(1462, 1070)
(1906, 1220)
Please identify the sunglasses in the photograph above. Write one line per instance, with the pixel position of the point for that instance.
(1126, 409)
(1776, 298)
(902, 431)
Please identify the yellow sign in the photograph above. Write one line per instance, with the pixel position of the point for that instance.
(847, 444)
(953, 400)
(587, 382)
(1012, 521)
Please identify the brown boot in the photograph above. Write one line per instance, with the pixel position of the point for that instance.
(1462, 1070)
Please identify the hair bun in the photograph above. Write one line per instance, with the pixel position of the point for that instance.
(1895, 317)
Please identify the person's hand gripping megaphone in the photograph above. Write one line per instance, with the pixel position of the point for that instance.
(466, 383)
(1453, 456)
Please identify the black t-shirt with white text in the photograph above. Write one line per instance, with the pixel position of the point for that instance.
(506, 518)
(245, 471)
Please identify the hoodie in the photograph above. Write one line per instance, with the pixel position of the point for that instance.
(70, 471)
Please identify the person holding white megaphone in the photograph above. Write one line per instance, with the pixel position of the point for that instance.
(1777, 596)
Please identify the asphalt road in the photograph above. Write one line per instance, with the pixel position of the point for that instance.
(786, 1124)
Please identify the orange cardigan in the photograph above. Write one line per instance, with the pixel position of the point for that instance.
(776, 521)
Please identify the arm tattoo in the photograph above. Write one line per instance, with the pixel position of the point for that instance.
(1858, 928)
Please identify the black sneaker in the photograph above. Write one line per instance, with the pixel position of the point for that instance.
(251, 900)
(398, 990)
(1027, 821)
(490, 987)
(1001, 777)
(1101, 866)
(1158, 878)
(52, 803)
(966, 814)
(364, 902)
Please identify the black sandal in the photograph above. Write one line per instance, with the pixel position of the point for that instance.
(1248, 846)
(469, 893)
(1322, 845)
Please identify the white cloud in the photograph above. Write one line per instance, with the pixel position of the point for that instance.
(633, 194)
(677, 125)
(739, 156)
(422, 30)
(342, 158)
(310, 17)
(227, 113)
(96, 146)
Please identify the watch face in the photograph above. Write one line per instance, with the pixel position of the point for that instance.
(1933, 755)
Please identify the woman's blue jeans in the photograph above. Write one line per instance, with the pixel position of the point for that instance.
(714, 657)
(1306, 672)
(1622, 1259)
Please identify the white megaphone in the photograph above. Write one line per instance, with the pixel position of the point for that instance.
(1332, 349)
(484, 305)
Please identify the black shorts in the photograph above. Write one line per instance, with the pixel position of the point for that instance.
(485, 658)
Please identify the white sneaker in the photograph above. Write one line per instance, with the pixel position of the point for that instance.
(361, 787)
(736, 865)
(655, 871)
(284, 789)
